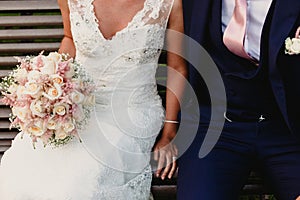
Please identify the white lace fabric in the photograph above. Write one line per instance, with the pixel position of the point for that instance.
(128, 113)
(153, 17)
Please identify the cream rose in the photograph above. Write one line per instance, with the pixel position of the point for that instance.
(54, 56)
(54, 92)
(288, 43)
(76, 97)
(49, 67)
(21, 112)
(37, 129)
(52, 124)
(90, 100)
(61, 109)
(20, 74)
(295, 47)
(57, 79)
(68, 126)
(60, 134)
(34, 75)
(20, 91)
(37, 108)
(32, 88)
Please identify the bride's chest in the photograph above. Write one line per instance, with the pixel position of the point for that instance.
(145, 31)
(88, 41)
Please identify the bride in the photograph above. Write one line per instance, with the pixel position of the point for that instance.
(119, 43)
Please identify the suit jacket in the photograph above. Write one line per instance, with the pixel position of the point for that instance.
(283, 71)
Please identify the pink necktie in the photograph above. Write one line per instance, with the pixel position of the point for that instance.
(234, 33)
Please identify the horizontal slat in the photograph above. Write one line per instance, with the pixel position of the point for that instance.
(40, 20)
(7, 61)
(4, 124)
(28, 47)
(5, 143)
(28, 5)
(7, 135)
(164, 192)
(3, 148)
(31, 34)
(4, 73)
(4, 112)
(2, 104)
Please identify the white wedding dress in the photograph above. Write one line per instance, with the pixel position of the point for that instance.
(112, 161)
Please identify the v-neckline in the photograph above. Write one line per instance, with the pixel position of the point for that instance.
(96, 21)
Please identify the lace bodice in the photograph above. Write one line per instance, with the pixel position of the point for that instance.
(147, 26)
(130, 57)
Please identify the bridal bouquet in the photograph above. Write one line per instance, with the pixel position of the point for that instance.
(51, 98)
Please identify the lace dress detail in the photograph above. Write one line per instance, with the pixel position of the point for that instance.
(127, 117)
(153, 17)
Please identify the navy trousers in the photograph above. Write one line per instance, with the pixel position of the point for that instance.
(242, 145)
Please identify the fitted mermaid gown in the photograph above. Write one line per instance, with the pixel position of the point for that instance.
(112, 161)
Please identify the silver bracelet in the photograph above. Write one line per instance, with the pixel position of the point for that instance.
(171, 121)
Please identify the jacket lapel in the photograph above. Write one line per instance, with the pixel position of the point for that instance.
(283, 20)
(199, 20)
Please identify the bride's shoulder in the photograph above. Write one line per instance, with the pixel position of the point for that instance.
(177, 4)
(176, 16)
(63, 4)
(177, 7)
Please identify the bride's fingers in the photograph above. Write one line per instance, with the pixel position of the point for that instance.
(155, 154)
(161, 162)
(175, 150)
(174, 167)
(168, 166)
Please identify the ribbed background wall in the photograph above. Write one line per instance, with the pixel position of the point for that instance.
(26, 28)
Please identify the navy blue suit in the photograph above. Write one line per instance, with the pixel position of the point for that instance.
(271, 89)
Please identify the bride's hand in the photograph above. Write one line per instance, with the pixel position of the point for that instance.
(165, 153)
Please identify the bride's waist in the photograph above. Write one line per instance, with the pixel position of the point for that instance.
(127, 96)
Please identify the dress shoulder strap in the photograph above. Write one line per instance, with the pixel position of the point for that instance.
(154, 12)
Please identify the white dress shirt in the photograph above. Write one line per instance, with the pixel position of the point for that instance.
(257, 11)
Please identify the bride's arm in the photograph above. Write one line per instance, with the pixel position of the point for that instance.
(67, 44)
(165, 151)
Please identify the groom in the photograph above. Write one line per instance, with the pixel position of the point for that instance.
(246, 40)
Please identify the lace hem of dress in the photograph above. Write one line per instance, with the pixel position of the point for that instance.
(136, 189)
